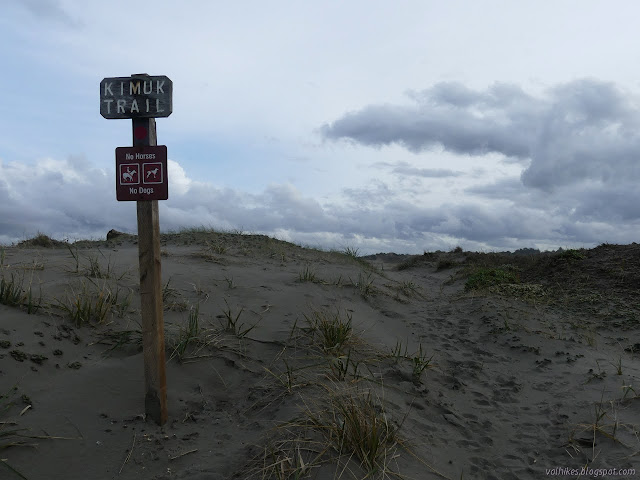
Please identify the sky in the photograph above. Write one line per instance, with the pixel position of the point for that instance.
(380, 126)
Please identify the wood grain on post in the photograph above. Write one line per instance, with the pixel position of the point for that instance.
(151, 290)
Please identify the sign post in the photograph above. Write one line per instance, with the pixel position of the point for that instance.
(141, 175)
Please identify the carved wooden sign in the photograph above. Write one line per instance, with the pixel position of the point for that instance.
(141, 96)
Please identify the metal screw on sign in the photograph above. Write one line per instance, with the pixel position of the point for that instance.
(141, 176)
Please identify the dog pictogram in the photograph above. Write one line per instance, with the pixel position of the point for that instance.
(152, 173)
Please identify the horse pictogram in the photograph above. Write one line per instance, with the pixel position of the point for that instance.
(129, 174)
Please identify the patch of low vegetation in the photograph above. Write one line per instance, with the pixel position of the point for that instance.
(217, 247)
(571, 255)
(346, 427)
(94, 267)
(11, 435)
(11, 291)
(172, 300)
(606, 423)
(330, 331)
(192, 338)
(233, 324)
(307, 275)
(355, 425)
(418, 360)
(409, 263)
(42, 240)
(409, 288)
(445, 264)
(117, 340)
(14, 293)
(351, 252)
(92, 303)
(482, 278)
(364, 284)
(519, 290)
(354, 255)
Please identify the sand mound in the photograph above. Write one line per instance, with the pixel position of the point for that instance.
(285, 362)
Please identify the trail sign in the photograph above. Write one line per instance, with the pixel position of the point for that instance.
(141, 173)
(137, 96)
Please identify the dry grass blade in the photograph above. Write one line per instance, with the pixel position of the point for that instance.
(183, 454)
(133, 444)
(3, 461)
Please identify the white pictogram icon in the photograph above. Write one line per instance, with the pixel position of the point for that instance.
(152, 173)
(129, 174)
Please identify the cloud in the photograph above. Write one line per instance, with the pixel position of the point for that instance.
(579, 131)
(73, 199)
(50, 10)
(425, 172)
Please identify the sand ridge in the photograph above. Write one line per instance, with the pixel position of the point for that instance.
(494, 366)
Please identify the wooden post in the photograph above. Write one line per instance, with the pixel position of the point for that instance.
(155, 403)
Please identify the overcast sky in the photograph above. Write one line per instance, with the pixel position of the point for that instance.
(385, 126)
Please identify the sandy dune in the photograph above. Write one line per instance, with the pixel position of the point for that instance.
(465, 365)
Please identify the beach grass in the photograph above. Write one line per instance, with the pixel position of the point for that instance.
(14, 293)
(93, 303)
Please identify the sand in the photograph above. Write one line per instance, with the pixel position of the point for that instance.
(534, 370)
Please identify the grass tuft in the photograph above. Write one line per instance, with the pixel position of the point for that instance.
(364, 284)
(331, 332)
(351, 252)
(356, 426)
(14, 294)
(188, 335)
(307, 275)
(93, 304)
(233, 325)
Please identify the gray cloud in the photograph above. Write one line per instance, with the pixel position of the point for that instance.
(73, 199)
(426, 172)
(49, 10)
(579, 131)
(405, 168)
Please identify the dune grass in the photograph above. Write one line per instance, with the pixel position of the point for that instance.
(11, 435)
(331, 332)
(356, 426)
(14, 293)
(344, 427)
(94, 267)
(93, 303)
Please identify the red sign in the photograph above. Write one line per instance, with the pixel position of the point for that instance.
(141, 173)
